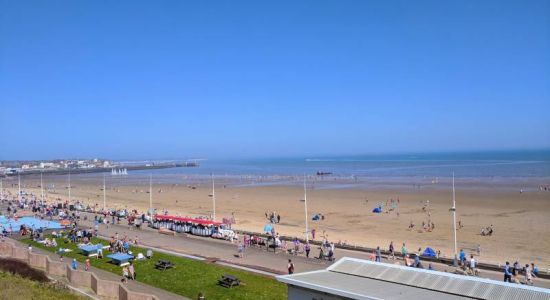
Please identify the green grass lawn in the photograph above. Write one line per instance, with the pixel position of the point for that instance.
(188, 278)
(15, 287)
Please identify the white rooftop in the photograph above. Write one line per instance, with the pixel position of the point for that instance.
(363, 279)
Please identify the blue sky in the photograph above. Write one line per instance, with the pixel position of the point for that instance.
(175, 79)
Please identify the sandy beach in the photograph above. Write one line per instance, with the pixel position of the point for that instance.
(521, 220)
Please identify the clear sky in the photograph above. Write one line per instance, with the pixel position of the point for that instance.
(176, 79)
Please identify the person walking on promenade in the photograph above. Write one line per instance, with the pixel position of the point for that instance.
(131, 271)
(125, 274)
(507, 273)
(74, 264)
(473, 265)
(462, 257)
(528, 275)
(87, 264)
(290, 267)
(392, 250)
(378, 254)
(307, 248)
(241, 250)
(404, 251)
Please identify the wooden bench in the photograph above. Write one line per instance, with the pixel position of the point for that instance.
(229, 281)
(164, 264)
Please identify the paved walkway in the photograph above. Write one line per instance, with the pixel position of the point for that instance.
(134, 286)
(274, 263)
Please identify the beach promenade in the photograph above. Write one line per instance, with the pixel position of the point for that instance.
(255, 259)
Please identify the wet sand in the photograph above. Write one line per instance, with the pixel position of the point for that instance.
(521, 220)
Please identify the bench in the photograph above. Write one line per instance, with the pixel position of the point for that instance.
(164, 264)
(229, 281)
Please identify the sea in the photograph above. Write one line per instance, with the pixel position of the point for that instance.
(470, 164)
(522, 170)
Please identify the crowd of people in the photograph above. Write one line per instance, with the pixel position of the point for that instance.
(514, 273)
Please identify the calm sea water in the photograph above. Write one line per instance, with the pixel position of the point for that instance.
(478, 164)
(494, 170)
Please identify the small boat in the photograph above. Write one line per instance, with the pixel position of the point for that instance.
(320, 173)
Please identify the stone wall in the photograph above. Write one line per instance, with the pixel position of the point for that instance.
(103, 288)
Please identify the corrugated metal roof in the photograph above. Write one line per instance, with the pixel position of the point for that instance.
(360, 288)
(369, 278)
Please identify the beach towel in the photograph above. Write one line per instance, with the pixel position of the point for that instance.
(429, 252)
(377, 210)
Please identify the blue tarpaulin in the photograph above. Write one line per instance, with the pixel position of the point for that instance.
(30, 222)
(429, 252)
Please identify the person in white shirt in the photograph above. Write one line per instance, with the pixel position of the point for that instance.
(473, 265)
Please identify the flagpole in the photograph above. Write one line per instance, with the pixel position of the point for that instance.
(69, 186)
(19, 185)
(213, 199)
(104, 194)
(305, 209)
(41, 187)
(151, 194)
(455, 260)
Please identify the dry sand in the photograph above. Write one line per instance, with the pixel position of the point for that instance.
(521, 221)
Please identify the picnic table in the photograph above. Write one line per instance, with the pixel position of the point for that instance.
(164, 264)
(229, 281)
(120, 259)
(90, 250)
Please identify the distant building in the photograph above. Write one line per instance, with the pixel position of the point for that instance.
(351, 278)
(47, 165)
